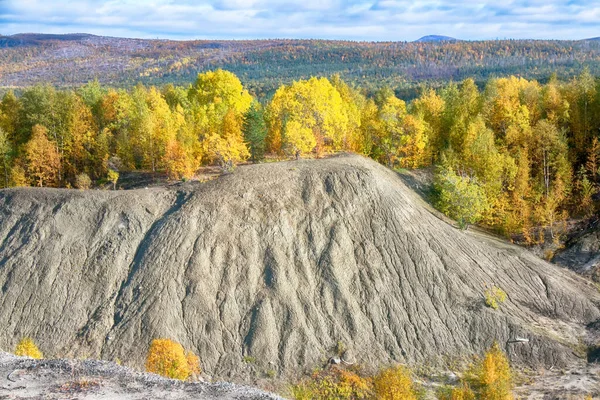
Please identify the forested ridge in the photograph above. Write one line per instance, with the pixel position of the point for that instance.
(516, 156)
(263, 65)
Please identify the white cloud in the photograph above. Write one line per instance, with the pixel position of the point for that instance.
(338, 19)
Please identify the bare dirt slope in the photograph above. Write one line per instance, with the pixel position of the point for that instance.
(277, 262)
(23, 378)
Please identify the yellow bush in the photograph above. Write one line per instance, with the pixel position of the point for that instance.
(395, 384)
(494, 296)
(27, 348)
(495, 376)
(333, 383)
(489, 379)
(167, 358)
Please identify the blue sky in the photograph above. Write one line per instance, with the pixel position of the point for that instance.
(328, 19)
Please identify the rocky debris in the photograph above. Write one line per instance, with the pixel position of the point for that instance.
(278, 263)
(25, 378)
(559, 384)
(581, 251)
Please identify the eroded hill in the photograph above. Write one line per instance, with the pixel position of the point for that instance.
(278, 262)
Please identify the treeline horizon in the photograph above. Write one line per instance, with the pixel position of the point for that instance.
(263, 65)
(515, 155)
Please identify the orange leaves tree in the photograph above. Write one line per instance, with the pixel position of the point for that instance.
(168, 358)
(490, 378)
(43, 160)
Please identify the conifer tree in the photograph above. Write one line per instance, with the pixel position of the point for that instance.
(255, 131)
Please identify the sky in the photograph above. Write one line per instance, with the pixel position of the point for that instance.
(371, 20)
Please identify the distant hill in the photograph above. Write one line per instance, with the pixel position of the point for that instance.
(436, 38)
(263, 65)
(38, 39)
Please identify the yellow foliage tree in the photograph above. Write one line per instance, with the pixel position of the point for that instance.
(167, 358)
(353, 101)
(490, 378)
(223, 89)
(27, 348)
(227, 146)
(177, 162)
(43, 160)
(392, 112)
(113, 177)
(503, 106)
(313, 105)
(414, 142)
(431, 107)
(395, 384)
(495, 376)
(299, 139)
(219, 104)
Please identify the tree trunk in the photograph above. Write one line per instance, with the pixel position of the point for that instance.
(5, 172)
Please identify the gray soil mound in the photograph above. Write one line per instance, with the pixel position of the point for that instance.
(24, 378)
(276, 263)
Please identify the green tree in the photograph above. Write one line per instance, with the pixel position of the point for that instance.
(254, 129)
(460, 197)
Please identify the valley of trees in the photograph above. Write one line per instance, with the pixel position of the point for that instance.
(517, 156)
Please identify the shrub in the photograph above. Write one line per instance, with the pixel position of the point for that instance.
(271, 373)
(489, 379)
(167, 358)
(333, 383)
(463, 392)
(459, 197)
(83, 181)
(113, 177)
(395, 384)
(340, 348)
(27, 348)
(494, 296)
(495, 376)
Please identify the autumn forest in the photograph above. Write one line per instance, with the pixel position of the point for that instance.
(517, 156)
